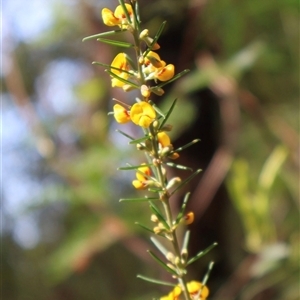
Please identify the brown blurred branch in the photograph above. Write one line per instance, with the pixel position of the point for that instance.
(226, 90)
(237, 280)
(16, 88)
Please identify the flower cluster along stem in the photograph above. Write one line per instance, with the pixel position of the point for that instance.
(138, 52)
(148, 76)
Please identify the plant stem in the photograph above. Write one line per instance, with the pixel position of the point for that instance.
(164, 195)
(159, 171)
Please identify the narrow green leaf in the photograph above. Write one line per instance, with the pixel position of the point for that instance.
(130, 167)
(157, 109)
(145, 199)
(154, 189)
(122, 3)
(160, 30)
(99, 35)
(152, 280)
(159, 215)
(122, 79)
(244, 59)
(272, 167)
(173, 165)
(202, 253)
(159, 246)
(131, 63)
(163, 264)
(116, 43)
(144, 227)
(109, 67)
(205, 279)
(144, 174)
(186, 240)
(138, 141)
(187, 145)
(168, 114)
(125, 134)
(186, 181)
(174, 78)
(156, 37)
(135, 167)
(136, 14)
(183, 206)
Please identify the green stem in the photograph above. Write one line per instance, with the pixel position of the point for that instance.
(158, 169)
(138, 51)
(169, 217)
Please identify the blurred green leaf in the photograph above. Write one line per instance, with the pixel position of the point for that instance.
(91, 91)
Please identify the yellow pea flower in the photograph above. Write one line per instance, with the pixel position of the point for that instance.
(155, 68)
(118, 17)
(121, 114)
(173, 295)
(153, 59)
(163, 139)
(120, 62)
(142, 114)
(142, 177)
(194, 288)
(166, 73)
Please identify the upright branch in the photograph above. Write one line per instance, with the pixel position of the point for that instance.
(148, 73)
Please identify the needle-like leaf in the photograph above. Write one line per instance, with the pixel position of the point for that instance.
(99, 35)
(162, 263)
(186, 181)
(202, 253)
(168, 114)
(144, 199)
(115, 43)
(152, 280)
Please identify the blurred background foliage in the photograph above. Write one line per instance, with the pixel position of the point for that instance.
(65, 236)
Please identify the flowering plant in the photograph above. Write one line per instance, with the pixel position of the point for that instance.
(148, 74)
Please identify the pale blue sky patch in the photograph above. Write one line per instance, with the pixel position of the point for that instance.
(27, 19)
(56, 85)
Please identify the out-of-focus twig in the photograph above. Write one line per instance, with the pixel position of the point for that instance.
(16, 88)
(225, 88)
(237, 280)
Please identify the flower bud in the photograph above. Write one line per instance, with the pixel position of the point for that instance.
(166, 150)
(155, 124)
(173, 182)
(148, 145)
(188, 218)
(174, 155)
(177, 261)
(144, 34)
(140, 147)
(170, 257)
(167, 127)
(157, 230)
(145, 91)
(154, 218)
(184, 255)
(157, 91)
(128, 88)
(156, 162)
(141, 60)
(148, 40)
